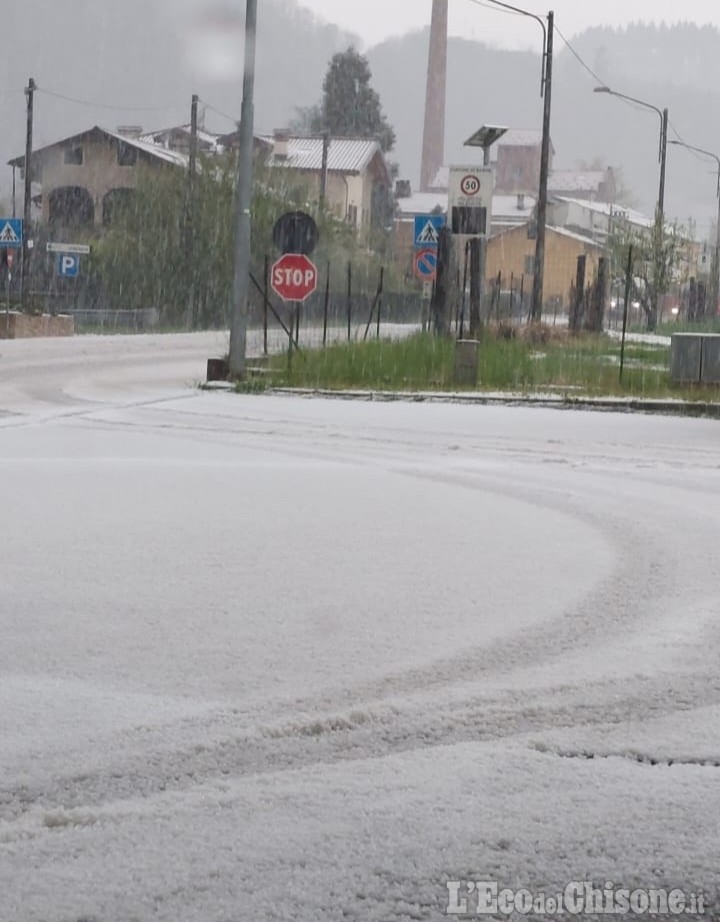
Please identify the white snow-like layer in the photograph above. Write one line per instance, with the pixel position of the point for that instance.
(266, 658)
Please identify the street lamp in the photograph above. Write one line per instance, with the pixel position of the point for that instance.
(715, 274)
(546, 91)
(662, 156)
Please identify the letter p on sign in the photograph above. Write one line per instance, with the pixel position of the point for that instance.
(67, 265)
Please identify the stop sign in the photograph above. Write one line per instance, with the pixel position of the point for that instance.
(294, 277)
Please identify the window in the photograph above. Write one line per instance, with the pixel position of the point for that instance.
(126, 154)
(74, 156)
(530, 265)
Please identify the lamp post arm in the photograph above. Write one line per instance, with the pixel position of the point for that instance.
(645, 105)
(705, 153)
(539, 19)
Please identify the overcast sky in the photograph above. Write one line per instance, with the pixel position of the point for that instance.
(375, 20)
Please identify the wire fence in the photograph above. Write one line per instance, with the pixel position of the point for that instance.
(354, 302)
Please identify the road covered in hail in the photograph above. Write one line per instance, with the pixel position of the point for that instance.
(279, 658)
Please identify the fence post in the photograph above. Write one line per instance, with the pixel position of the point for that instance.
(326, 306)
(380, 297)
(601, 294)
(461, 326)
(476, 247)
(376, 303)
(349, 301)
(266, 274)
(628, 284)
(439, 305)
(576, 307)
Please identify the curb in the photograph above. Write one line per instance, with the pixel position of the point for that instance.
(555, 401)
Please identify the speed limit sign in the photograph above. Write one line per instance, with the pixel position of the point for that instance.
(470, 185)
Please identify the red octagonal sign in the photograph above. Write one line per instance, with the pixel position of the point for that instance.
(294, 277)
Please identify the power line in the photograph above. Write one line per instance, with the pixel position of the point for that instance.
(207, 105)
(578, 58)
(677, 134)
(496, 9)
(567, 42)
(101, 105)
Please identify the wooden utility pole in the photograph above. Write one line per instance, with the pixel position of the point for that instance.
(539, 273)
(27, 208)
(439, 303)
(478, 256)
(190, 213)
(324, 169)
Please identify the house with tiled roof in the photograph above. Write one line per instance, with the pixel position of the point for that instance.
(591, 185)
(357, 178)
(85, 176)
(179, 138)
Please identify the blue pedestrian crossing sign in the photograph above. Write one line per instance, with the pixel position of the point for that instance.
(11, 233)
(67, 265)
(427, 230)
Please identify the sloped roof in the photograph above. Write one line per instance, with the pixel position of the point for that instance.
(520, 138)
(98, 134)
(505, 206)
(345, 155)
(606, 208)
(209, 139)
(560, 231)
(573, 235)
(577, 180)
(423, 203)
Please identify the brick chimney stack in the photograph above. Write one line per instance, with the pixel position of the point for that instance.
(433, 154)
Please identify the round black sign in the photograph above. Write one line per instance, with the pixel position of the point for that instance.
(296, 232)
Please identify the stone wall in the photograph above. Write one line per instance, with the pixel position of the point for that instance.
(14, 325)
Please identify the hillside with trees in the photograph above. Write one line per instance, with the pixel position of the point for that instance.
(174, 56)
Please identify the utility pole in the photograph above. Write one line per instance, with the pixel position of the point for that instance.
(243, 227)
(25, 256)
(539, 273)
(663, 163)
(190, 214)
(660, 270)
(715, 265)
(324, 168)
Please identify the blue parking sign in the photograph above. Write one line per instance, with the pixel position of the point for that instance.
(67, 265)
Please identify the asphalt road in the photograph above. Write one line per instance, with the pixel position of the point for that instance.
(278, 658)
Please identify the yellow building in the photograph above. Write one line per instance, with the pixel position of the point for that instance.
(513, 254)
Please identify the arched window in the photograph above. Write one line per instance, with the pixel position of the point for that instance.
(71, 206)
(116, 200)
